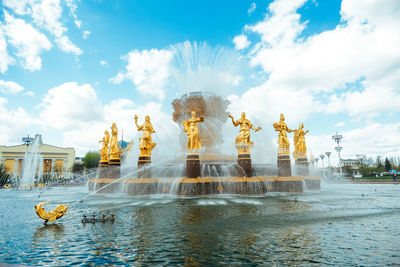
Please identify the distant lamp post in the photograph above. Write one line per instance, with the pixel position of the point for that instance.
(328, 155)
(338, 138)
(27, 140)
(322, 160)
(316, 162)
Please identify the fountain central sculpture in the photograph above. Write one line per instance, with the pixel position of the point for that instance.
(202, 119)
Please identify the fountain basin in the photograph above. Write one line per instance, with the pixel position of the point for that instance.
(206, 185)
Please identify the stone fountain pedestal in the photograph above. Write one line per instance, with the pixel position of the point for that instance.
(244, 163)
(302, 167)
(114, 168)
(193, 165)
(103, 169)
(144, 170)
(284, 168)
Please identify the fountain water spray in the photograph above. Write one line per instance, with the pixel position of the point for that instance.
(31, 165)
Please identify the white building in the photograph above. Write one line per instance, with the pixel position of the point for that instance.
(52, 158)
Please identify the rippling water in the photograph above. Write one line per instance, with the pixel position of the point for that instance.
(340, 225)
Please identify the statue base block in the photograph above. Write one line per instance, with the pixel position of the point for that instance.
(193, 166)
(284, 168)
(244, 163)
(114, 169)
(102, 171)
(144, 170)
(302, 167)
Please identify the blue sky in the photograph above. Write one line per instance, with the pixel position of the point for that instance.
(70, 68)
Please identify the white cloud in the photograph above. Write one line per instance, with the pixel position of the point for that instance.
(70, 105)
(364, 46)
(29, 93)
(5, 58)
(122, 111)
(103, 62)
(372, 140)
(20, 7)
(27, 41)
(340, 124)
(71, 4)
(241, 42)
(65, 44)
(148, 70)
(251, 8)
(85, 34)
(14, 123)
(47, 14)
(10, 87)
(267, 102)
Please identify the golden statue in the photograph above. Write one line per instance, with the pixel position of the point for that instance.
(104, 149)
(115, 150)
(145, 143)
(53, 215)
(300, 148)
(190, 127)
(243, 143)
(282, 128)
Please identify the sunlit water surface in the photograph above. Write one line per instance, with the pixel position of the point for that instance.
(342, 224)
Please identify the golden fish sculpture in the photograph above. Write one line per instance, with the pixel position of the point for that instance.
(53, 215)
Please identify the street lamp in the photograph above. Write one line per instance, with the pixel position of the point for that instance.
(338, 138)
(316, 162)
(328, 154)
(322, 159)
(27, 140)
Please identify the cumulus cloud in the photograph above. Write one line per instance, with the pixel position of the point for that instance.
(65, 44)
(364, 46)
(14, 123)
(373, 140)
(29, 93)
(241, 42)
(103, 62)
(5, 58)
(122, 111)
(86, 34)
(148, 70)
(10, 87)
(252, 8)
(27, 41)
(70, 105)
(46, 15)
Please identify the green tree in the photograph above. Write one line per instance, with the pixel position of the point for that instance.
(91, 159)
(5, 177)
(379, 162)
(388, 166)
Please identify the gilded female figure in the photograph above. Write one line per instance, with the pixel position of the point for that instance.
(282, 128)
(244, 132)
(300, 142)
(190, 127)
(104, 149)
(114, 147)
(145, 143)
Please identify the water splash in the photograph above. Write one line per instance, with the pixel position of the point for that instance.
(200, 67)
(31, 165)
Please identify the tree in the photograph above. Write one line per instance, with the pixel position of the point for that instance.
(379, 162)
(5, 177)
(388, 166)
(91, 159)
